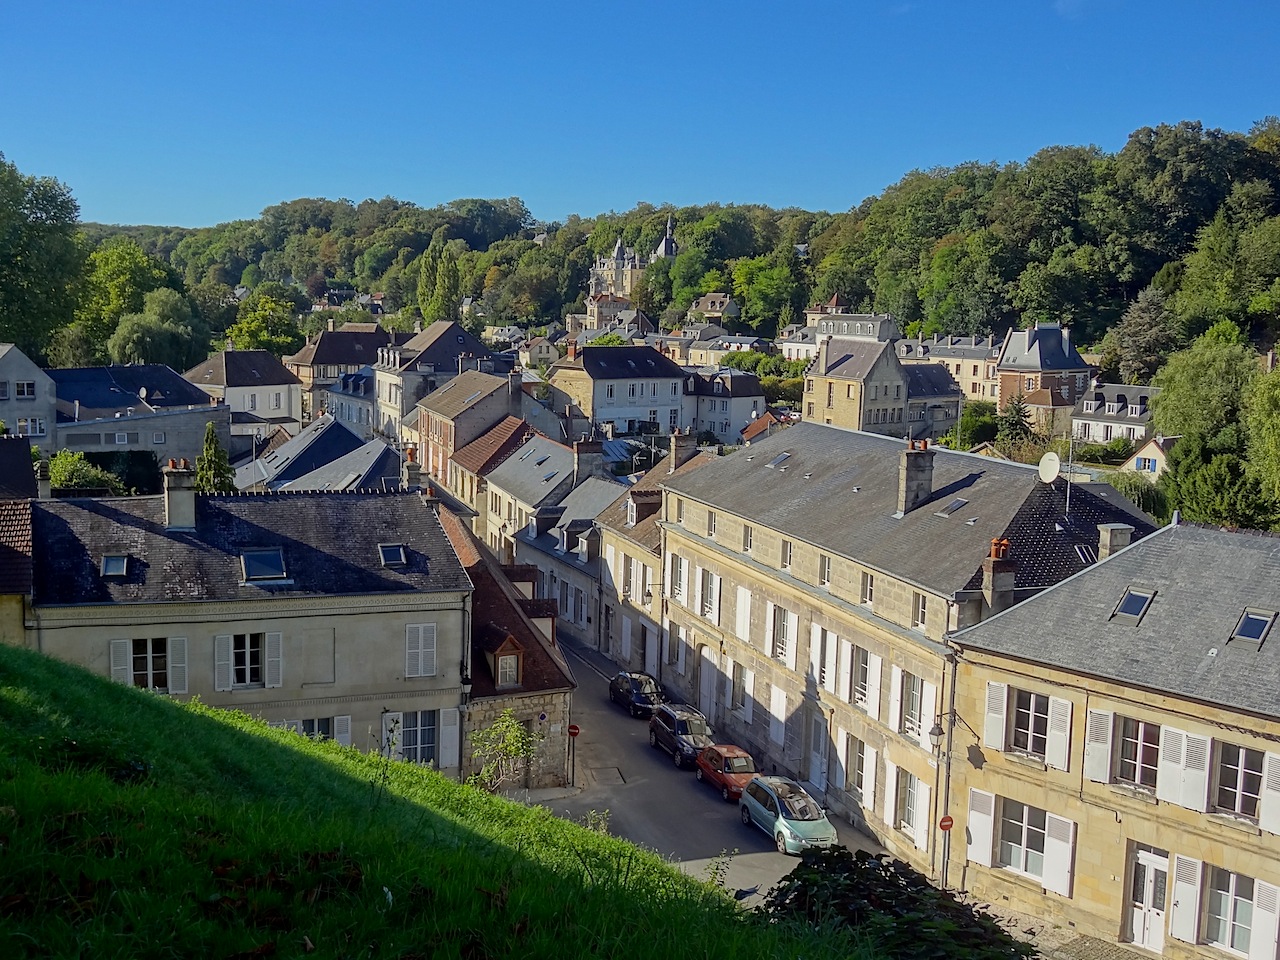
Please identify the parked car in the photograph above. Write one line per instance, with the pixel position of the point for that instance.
(781, 808)
(681, 731)
(639, 693)
(726, 767)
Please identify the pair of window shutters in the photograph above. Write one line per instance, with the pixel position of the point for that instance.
(844, 769)
(1059, 841)
(1184, 911)
(928, 703)
(273, 661)
(608, 566)
(708, 606)
(420, 650)
(447, 745)
(823, 660)
(175, 652)
(1057, 741)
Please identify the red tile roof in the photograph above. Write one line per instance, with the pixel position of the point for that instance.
(15, 547)
(487, 451)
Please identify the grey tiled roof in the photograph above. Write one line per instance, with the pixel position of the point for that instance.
(1203, 580)
(102, 391)
(1042, 347)
(321, 442)
(329, 543)
(460, 393)
(852, 359)
(1121, 393)
(839, 491)
(621, 363)
(241, 368)
(374, 466)
(930, 380)
(531, 482)
(583, 504)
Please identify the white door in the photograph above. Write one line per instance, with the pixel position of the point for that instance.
(818, 753)
(1147, 899)
(707, 674)
(649, 641)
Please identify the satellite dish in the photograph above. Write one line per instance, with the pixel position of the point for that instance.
(1050, 467)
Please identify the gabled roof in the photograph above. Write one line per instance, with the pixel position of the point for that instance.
(241, 368)
(578, 512)
(760, 425)
(1203, 579)
(1046, 346)
(943, 347)
(1125, 395)
(344, 347)
(104, 391)
(374, 466)
(534, 472)
(493, 446)
(733, 383)
(799, 334)
(625, 363)
(838, 489)
(17, 473)
(851, 359)
(646, 531)
(930, 380)
(462, 393)
(321, 442)
(15, 548)
(362, 383)
(441, 344)
(329, 544)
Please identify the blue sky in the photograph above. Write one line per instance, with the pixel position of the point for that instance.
(193, 114)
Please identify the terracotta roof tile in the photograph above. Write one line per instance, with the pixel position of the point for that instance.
(15, 547)
(495, 445)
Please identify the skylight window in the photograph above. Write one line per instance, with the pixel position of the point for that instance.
(392, 554)
(115, 565)
(263, 564)
(547, 478)
(1133, 605)
(952, 507)
(540, 461)
(779, 460)
(1254, 625)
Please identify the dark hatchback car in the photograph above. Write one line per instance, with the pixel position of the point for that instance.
(681, 731)
(638, 693)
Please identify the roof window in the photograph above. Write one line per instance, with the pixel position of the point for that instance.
(1253, 626)
(263, 564)
(779, 460)
(952, 507)
(1133, 605)
(115, 565)
(392, 554)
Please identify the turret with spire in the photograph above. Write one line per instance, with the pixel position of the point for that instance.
(667, 248)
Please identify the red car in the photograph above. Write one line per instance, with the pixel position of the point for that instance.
(727, 767)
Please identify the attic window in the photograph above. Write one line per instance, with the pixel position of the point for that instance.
(263, 564)
(115, 565)
(952, 507)
(778, 460)
(392, 554)
(1133, 605)
(1253, 626)
(631, 513)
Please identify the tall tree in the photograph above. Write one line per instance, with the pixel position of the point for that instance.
(1145, 336)
(213, 470)
(120, 275)
(1202, 388)
(443, 304)
(267, 325)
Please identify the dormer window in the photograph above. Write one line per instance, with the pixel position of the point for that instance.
(1090, 406)
(631, 513)
(1254, 626)
(1113, 408)
(509, 670)
(115, 565)
(1135, 410)
(392, 554)
(261, 565)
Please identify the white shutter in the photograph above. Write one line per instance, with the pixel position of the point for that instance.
(342, 730)
(895, 697)
(1195, 773)
(844, 687)
(120, 661)
(728, 685)
(680, 648)
(449, 737)
(890, 794)
(869, 771)
(626, 640)
(748, 696)
(928, 712)
(873, 686)
(413, 650)
(1169, 765)
(842, 758)
(793, 639)
(392, 741)
(1058, 742)
(666, 576)
(275, 656)
(608, 566)
(815, 653)
(768, 628)
(696, 605)
(684, 582)
(742, 626)
(177, 664)
(715, 599)
(777, 715)
(1185, 907)
(924, 821)
(1097, 745)
(993, 731)
(428, 635)
(829, 667)
(1266, 929)
(222, 662)
(1059, 849)
(980, 827)
(1269, 801)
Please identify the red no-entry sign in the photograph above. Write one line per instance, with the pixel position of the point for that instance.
(946, 823)
(573, 730)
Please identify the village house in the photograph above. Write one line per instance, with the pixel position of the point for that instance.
(334, 353)
(970, 360)
(718, 308)
(1043, 366)
(538, 352)
(321, 442)
(721, 401)
(352, 400)
(1110, 411)
(1152, 457)
(709, 353)
(28, 395)
(457, 413)
(541, 473)
(469, 469)
(254, 383)
(620, 388)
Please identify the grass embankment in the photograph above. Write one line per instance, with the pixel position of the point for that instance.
(134, 826)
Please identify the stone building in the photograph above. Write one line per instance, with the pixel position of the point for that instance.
(970, 360)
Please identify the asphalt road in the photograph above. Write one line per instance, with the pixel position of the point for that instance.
(656, 806)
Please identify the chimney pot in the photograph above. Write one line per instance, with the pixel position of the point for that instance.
(999, 578)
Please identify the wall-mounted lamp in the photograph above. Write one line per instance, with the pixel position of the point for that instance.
(466, 689)
(648, 597)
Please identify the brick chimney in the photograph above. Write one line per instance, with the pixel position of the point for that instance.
(179, 495)
(588, 460)
(998, 575)
(411, 470)
(1113, 537)
(915, 476)
(573, 348)
(44, 487)
(683, 446)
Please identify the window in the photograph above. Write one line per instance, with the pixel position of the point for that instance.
(1029, 731)
(675, 390)
(150, 664)
(709, 592)
(246, 659)
(608, 391)
(24, 390)
(4, 389)
(824, 570)
(786, 555)
(579, 605)
(631, 390)
(711, 523)
(1239, 780)
(120, 437)
(868, 592)
(746, 539)
(919, 610)
(1229, 917)
(1021, 838)
(1139, 752)
(677, 577)
(1133, 605)
(858, 769)
(674, 419)
(418, 735)
(420, 650)
(679, 510)
(781, 636)
(157, 437)
(508, 665)
(912, 709)
(908, 792)
(263, 564)
(321, 728)
(739, 688)
(1253, 626)
(253, 401)
(115, 565)
(392, 554)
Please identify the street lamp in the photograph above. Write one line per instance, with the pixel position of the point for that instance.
(648, 597)
(466, 689)
(936, 733)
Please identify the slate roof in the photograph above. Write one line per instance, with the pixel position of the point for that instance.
(944, 347)
(852, 359)
(461, 393)
(493, 446)
(17, 474)
(1203, 579)
(930, 380)
(1123, 394)
(343, 347)
(440, 344)
(626, 363)
(646, 531)
(321, 442)
(362, 383)
(733, 383)
(104, 391)
(241, 368)
(374, 466)
(532, 474)
(15, 548)
(1046, 346)
(814, 499)
(802, 335)
(329, 543)
(578, 512)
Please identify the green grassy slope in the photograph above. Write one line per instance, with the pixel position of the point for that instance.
(133, 826)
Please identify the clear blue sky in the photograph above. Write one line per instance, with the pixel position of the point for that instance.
(191, 114)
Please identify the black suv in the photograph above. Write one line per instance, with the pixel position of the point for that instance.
(681, 731)
(639, 693)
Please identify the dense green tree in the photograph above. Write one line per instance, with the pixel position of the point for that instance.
(978, 423)
(1209, 484)
(213, 470)
(119, 276)
(609, 340)
(40, 260)
(1144, 494)
(73, 346)
(1202, 388)
(71, 470)
(1145, 336)
(267, 325)
(1014, 425)
(443, 304)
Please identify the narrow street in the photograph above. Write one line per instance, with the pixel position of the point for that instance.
(656, 806)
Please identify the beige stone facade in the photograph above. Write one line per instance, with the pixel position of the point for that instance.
(875, 400)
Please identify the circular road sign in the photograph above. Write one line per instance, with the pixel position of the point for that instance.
(946, 823)
(573, 730)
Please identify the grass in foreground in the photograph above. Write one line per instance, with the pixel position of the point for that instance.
(134, 826)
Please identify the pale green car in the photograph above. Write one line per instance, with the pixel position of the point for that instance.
(781, 808)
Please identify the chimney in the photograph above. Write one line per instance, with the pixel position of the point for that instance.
(44, 488)
(411, 470)
(179, 495)
(998, 575)
(515, 393)
(1112, 537)
(573, 348)
(333, 324)
(915, 476)
(417, 326)
(588, 460)
(683, 446)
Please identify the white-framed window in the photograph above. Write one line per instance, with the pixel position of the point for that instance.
(253, 401)
(919, 610)
(1237, 780)
(1022, 832)
(824, 570)
(1137, 752)
(1229, 911)
(859, 769)
(782, 638)
(275, 400)
(747, 536)
(1029, 723)
(419, 650)
(679, 510)
(786, 555)
(677, 576)
(247, 659)
(158, 437)
(319, 727)
(912, 705)
(908, 801)
(1039, 725)
(149, 663)
(580, 605)
(867, 594)
(508, 670)
(24, 390)
(861, 675)
(418, 735)
(711, 523)
(31, 427)
(608, 391)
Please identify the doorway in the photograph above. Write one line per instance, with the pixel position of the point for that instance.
(650, 648)
(1147, 893)
(707, 683)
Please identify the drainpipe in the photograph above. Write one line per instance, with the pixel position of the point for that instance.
(952, 658)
